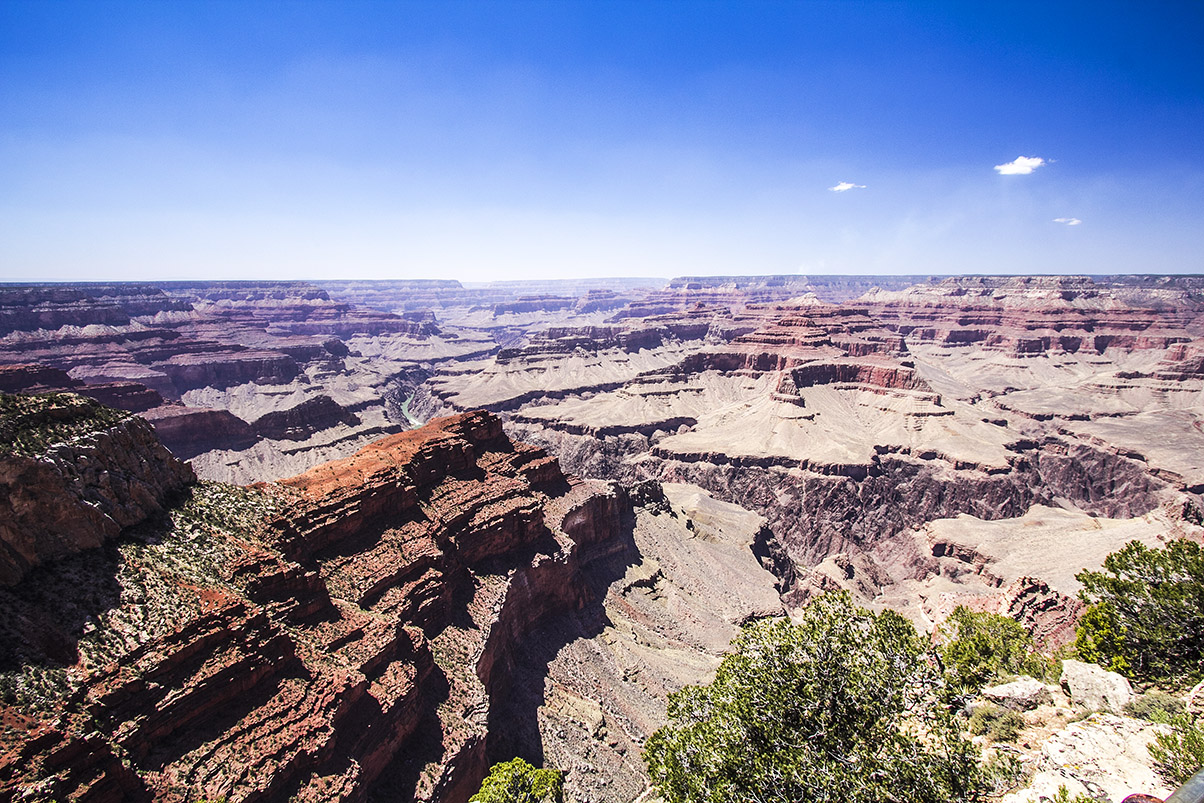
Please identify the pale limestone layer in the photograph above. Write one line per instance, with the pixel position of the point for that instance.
(637, 405)
(492, 383)
(738, 416)
(454, 344)
(837, 425)
(1053, 544)
(1170, 441)
(983, 558)
(1104, 756)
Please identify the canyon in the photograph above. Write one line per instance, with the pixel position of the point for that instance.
(359, 540)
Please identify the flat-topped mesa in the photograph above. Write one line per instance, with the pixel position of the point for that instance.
(535, 303)
(874, 376)
(771, 288)
(846, 330)
(638, 334)
(1032, 316)
(816, 344)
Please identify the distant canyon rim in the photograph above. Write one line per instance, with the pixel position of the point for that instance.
(616, 474)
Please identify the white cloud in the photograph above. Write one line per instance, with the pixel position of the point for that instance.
(1021, 166)
(845, 186)
(1069, 221)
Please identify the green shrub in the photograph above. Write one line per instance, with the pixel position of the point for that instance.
(1156, 706)
(1100, 638)
(981, 647)
(845, 705)
(1178, 754)
(1148, 611)
(1004, 771)
(1063, 796)
(518, 782)
(999, 724)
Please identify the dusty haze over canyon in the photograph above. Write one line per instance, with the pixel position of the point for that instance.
(355, 540)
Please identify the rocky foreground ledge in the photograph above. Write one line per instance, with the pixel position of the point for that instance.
(345, 633)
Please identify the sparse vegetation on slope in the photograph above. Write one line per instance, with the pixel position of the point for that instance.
(999, 724)
(107, 602)
(1179, 754)
(29, 424)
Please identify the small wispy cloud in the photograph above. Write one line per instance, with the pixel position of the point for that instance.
(1020, 166)
(1067, 221)
(845, 186)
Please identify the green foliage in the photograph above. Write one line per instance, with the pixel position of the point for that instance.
(980, 647)
(1178, 754)
(1153, 622)
(1004, 771)
(845, 705)
(518, 782)
(1100, 638)
(36, 689)
(1155, 706)
(1063, 796)
(29, 425)
(1000, 724)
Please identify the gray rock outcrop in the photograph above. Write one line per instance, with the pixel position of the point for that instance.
(1104, 757)
(1022, 694)
(1095, 687)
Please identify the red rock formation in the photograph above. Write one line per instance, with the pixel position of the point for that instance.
(75, 476)
(355, 637)
(1027, 316)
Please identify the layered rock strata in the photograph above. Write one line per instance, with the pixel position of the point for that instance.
(74, 474)
(342, 634)
(850, 426)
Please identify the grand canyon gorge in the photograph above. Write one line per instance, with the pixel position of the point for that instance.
(361, 540)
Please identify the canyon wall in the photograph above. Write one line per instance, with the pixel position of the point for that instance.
(341, 634)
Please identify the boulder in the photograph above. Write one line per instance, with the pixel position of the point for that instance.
(1095, 687)
(1104, 757)
(1023, 694)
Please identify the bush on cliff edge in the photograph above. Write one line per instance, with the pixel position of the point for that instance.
(1146, 618)
(845, 705)
(518, 782)
(981, 647)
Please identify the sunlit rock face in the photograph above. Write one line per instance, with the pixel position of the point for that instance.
(409, 605)
(853, 427)
(347, 629)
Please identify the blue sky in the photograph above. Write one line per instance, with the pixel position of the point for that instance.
(500, 140)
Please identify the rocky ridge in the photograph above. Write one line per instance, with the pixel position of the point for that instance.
(363, 612)
(73, 475)
(382, 626)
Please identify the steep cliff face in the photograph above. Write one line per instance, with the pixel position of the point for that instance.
(335, 636)
(1026, 316)
(73, 474)
(849, 425)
